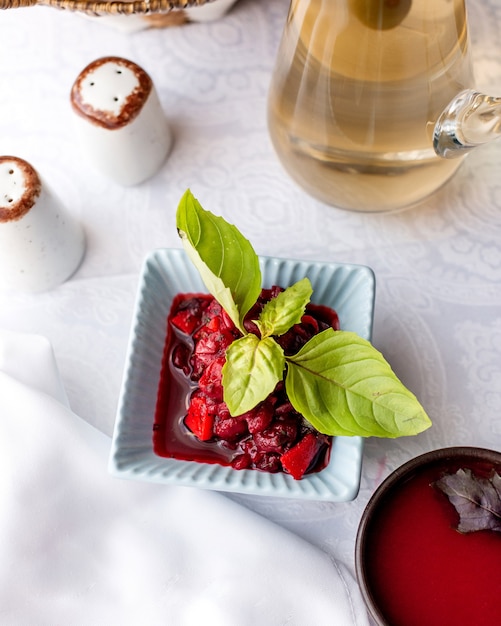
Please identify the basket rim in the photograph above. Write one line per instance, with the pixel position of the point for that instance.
(108, 7)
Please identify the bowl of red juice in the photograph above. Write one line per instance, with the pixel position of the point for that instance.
(428, 548)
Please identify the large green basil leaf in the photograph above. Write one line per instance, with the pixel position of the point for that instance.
(226, 260)
(343, 386)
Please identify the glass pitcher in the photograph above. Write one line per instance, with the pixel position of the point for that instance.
(370, 101)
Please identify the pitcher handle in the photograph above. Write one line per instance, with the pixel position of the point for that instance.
(471, 119)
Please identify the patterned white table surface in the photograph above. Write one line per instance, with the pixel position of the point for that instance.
(438, 266)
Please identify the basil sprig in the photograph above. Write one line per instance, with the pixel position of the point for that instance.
(227, 263)
(338, 381)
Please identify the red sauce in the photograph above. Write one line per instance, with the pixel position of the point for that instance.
(171, 438)
(183, 368)
(423, 572)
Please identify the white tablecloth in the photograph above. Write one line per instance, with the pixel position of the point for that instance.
(438, 266)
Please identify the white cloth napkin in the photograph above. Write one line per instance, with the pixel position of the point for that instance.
(79, 547)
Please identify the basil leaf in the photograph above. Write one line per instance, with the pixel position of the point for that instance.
(285, 310)
(251, 372)
(227, 263)
(342, 385)
(477, 500)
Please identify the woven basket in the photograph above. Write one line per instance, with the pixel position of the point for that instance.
(166, 10)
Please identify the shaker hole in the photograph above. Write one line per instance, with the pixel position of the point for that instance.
(115, 99)
(11, 171)
(119, 71)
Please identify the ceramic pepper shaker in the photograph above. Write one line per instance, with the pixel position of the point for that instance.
(41, 243)
(119, 120)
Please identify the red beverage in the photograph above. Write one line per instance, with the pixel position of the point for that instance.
(415, 567)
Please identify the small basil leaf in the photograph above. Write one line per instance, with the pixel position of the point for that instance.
(342, 385)
(251, 372)
(477, 500)
(285, 310)
(226, 260)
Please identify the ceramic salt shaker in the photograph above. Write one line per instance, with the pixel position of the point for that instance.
(119, 120)
(41, 243)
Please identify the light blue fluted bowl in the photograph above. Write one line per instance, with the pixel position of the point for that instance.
(349, 289)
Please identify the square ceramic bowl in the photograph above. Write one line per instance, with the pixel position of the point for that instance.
(349, 289)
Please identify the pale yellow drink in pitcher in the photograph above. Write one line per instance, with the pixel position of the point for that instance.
(357, 88)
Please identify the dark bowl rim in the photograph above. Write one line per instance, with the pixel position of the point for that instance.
(402, 472)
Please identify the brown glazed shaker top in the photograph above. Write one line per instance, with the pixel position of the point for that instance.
(104, 94)
(20, 186)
